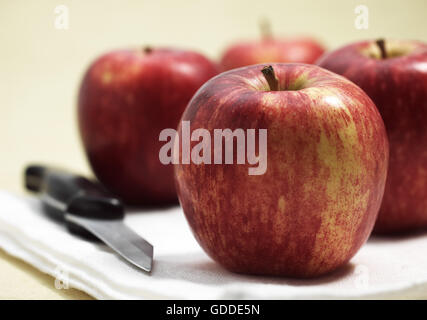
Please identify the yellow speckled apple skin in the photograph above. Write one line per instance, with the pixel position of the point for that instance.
(398, 87)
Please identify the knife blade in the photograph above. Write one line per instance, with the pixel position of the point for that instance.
(88, 210)
(111, 233)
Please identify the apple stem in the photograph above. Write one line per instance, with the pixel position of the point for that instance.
(381, 45)
(265, 27)
(269, 75)
(148, 49)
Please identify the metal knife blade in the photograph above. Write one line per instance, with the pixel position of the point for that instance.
(120, 238)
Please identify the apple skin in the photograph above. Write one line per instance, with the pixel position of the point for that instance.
(327, 163)
(126, 98)
(398, 87)
(269, 49)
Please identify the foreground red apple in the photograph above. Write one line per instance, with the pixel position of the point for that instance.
(126, 98)
(271, 49)
(394, 75)
(317, 202)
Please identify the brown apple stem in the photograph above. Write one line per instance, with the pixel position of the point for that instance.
(381, 45)
(269, 75)
(148, 49)
(265, 27)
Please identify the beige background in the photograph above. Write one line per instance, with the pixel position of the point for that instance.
(40, 69)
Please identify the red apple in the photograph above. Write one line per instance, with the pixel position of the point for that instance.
(317, 202)
(271, 49)
(126, 98)
(394, 74)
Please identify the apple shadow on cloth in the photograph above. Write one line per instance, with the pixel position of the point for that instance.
(132, 209)
(403, 236)
(198, 268)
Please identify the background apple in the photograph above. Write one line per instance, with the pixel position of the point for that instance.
(394, 74)
(271, 49)
(126, 98)
(327, 162)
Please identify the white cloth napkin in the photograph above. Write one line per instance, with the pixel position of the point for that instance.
(384, 267)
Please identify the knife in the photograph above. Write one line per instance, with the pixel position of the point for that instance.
(89, 211)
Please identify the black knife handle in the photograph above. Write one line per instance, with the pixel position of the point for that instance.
(65, 193)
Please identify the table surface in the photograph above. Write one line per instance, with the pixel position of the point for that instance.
(19, 280)
(41, 66)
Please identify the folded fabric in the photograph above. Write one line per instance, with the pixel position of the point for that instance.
(384, 267)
